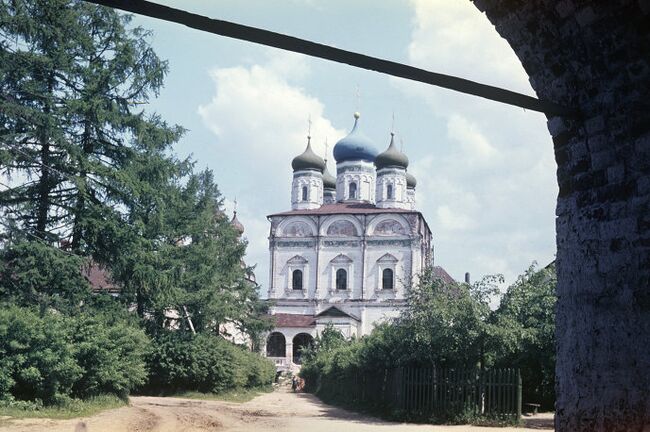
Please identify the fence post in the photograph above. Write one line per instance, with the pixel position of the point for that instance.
(518, 395)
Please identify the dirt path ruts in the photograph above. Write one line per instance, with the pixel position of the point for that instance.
(277, 411)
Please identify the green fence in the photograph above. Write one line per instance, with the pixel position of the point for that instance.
(432, 392)
(442, 392)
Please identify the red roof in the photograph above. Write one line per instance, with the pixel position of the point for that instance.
(99, 278)
(345, 208)
(293, 320)
(441, 273)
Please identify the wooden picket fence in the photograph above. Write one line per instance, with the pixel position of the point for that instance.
(435, 392)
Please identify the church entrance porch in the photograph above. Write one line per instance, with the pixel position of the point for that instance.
(292, 333)
(300, 342)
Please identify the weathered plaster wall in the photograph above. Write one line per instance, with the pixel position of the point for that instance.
(595, 56)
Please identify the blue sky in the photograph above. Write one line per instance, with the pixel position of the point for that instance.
(485, 171)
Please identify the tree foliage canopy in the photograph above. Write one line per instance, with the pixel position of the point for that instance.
(90, 178)
(452, 325)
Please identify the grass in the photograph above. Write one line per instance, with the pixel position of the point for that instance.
(235, 395)
(71, 409)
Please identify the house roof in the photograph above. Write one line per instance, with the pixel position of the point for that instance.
(99, 278)
(442, 274)
(293, 320)
(333, 311)
(344, 208)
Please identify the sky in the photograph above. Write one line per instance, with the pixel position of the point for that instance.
(485, 170)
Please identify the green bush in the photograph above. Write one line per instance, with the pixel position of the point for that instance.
(55, 358)
(35, 274)
(110, 356)
(181, 361)
(36, 356)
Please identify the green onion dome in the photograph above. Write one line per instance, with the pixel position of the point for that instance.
(392, 157)
(308, 160)
(329, 181)
(410, 181)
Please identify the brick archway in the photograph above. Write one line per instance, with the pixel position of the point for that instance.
(594, 55)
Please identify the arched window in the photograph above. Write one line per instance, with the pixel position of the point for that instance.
(301, 342)
(387, 279)
(276, 345)
(296, 280)
(389, 192)
(304, 193)
(353, 191)
(341, 279)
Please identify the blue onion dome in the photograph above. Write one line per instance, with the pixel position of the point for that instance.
(355, 146)
(308, 160)
(329, 181)
(410, 181)
(392, 157)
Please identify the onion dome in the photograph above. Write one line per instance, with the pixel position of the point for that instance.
(308, 160)
(410, 181)
(355, 146)
(329, 181)
(234, 222)
(392, 157)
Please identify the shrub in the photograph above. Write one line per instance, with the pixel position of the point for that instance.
(54, 358)
(110, 356)
(180, 361)
(36, 356)
(33, 273)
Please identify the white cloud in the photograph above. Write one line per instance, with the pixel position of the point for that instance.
(453, 37)
(260, 119)
(490, 183)
(476, 147)
(454, 220)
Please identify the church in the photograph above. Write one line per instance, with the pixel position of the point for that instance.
(349, 248)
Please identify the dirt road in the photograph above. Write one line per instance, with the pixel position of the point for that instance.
(277, 411)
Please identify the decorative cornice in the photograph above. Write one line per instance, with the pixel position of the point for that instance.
(284, 243)
(341, 243)
(382, 242)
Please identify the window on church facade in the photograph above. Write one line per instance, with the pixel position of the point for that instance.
(387, 279)
(341, 279)
(353, 190)
(276, 345)
(296, 280)
(304, 193)
(389, 192)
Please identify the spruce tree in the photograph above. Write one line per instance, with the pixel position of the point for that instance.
(73, 78)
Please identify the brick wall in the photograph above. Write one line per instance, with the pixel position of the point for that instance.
(595, 56)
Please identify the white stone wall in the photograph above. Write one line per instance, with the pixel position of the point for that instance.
(360, 172)
(313, 181)
(410, 198)
(362, 245)
(396, 178)
(329, 196)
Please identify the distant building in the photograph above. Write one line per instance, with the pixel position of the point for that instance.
(348, 249)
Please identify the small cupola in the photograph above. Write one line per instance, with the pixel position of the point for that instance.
(329, 181)
(410, 181)
(392, 157)
(308, 160)
(391, 190)
(307, 184)
(234, 222)
(329, 186)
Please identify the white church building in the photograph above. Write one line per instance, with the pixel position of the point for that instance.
(348, 249)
